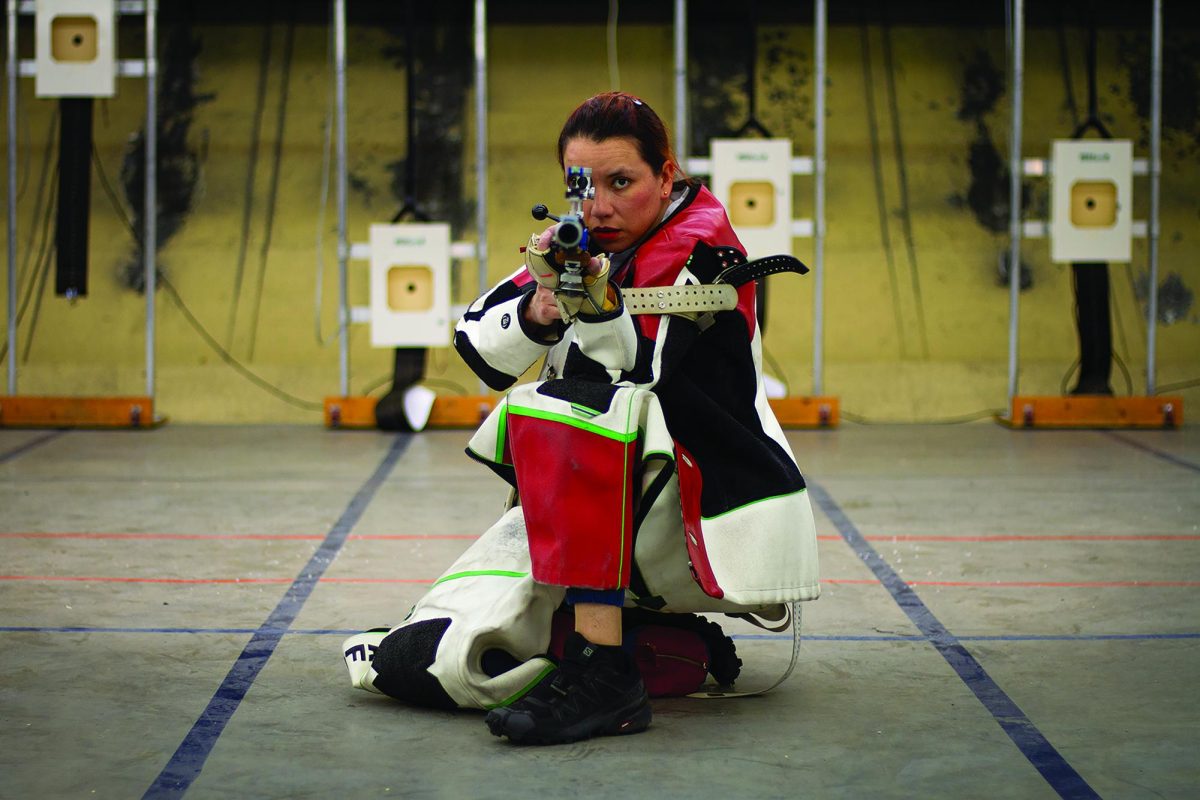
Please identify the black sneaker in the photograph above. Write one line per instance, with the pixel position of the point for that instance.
(596, 691)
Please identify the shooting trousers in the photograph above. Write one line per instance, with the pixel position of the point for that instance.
(579, 454)
(610, 501)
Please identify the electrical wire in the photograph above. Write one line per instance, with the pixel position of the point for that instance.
(273, 191)
(1124, 371)
(1172, 387)
(880, 192)
(910, 247)
(327, 146)
(773, 364)
(382, 380)
(287, 397)
(614, 64)
(976, 415)
(1066, 378)
(36, 278)
(457, 388)
(173, 293)
(40, 269)
(34, 272)
(260, 103)
(32, 267)
(25, 131)
(374, 384)
(37, 304)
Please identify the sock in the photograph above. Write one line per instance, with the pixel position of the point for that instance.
(608, 597)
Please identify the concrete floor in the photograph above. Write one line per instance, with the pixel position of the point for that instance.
(1006, 614)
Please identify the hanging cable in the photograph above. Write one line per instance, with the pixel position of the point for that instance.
(959, 420)
(260, 102)
(173, 294)
(37, 303)
(39, 235)
(326, 168)
(39, 268)
(614, 64)
(773, 364)
(287, 397)
(273, 191)
(1172, 387)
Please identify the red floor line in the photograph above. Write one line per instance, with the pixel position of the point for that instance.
(405, 536)
(234, 537)
(835, 581)
(120, 579)
(913, 537)
(1027, 584)
(169, 536)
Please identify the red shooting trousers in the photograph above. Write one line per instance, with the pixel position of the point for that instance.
(576, 490)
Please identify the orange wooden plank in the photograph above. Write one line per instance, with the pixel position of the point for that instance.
(806, 412)
(454, 411)
(451, 411)
(461, 412)
(1090, 411)
(350, 412)
(77, 412)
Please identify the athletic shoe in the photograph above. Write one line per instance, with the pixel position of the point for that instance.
(596, 691)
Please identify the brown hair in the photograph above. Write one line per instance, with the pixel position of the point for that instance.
(620, 114)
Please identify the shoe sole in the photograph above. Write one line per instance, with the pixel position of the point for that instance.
(635, 720)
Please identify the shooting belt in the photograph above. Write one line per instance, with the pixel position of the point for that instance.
(681, 299)
(720, 295)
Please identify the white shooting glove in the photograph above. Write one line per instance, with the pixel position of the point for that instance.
(547, 267)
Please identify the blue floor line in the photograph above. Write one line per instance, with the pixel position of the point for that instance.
(1061, 776)
(185, 765)
(25, 448)
(782, 637)
(1176, 460)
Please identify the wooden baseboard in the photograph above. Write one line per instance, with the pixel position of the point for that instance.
(806, 412)
(461, 412)
(77, 412)
(1092, 411)
(451, 411)
(467, 412)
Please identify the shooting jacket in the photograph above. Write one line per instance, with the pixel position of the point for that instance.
(732, 492)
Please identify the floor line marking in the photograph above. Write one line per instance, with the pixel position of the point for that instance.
(1134, 584)
(185, 764)
(1002, 537)
(31, 444)
(1176, 460)
(782, 637)
(1043, 584)
(420, 537)
(1061, 776)
(218, 537)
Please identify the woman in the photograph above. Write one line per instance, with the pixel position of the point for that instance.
(649, 468)
(659, 231)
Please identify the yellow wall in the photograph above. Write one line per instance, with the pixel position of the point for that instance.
(878, 357)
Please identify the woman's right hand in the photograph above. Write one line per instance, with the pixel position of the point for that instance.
(542, 309)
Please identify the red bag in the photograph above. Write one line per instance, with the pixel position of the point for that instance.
(673, 661)
(672, 651)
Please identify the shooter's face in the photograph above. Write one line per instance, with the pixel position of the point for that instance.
(630, 196)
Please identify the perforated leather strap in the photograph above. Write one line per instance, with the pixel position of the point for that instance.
(760, 268)
(681, 299)
(720, 295)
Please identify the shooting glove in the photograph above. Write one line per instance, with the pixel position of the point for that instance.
(599, 297)
(539, 264)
